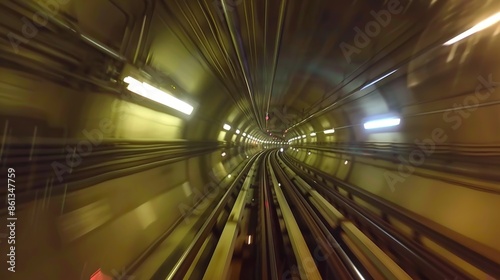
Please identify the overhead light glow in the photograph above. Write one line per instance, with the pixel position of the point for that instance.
(303, 136)
(162, 97)
(244, 134)
(223, 154)
(379, 79)
(476, 28)
(382, 123)
(229, 176)
(313, 134)
(346, 162)
(237, 131)
(329, 131)
(227, 127)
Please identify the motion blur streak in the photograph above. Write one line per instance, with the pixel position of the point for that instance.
(249, 139)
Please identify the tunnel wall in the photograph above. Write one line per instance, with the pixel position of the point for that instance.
(105, 225)
(451, 203)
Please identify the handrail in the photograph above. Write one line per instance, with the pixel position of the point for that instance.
(390, 153)
(102, 163)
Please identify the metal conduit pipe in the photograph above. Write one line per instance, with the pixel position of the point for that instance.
(129, 23)
(232, 68)
(231, 24)
(230, 90)
(73, 29)
(276, 51)
(148, 15)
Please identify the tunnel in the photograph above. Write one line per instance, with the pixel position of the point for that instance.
(249, 139)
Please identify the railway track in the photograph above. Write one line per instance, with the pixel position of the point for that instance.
(279, 221)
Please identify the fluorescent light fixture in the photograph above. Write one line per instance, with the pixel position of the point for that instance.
(223, 154)
(237, 131)
(303, 136)
(476, 28)
(382, 123)
(329, 131)
(244, 134)
(229, 176)
(281, 150)
(313, 134)
(346, 162)
(249, 240)
(379, 79)
(309, 153)
(162, 97)
(226, 127)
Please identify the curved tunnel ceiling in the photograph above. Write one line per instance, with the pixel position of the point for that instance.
(275, 59)
(291, 68)
(280, 70)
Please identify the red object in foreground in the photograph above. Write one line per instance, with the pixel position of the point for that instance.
(98, 275)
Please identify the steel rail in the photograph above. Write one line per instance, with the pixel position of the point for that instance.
(185, 261)
(270, 270)
(324, 238)
(427, 263)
